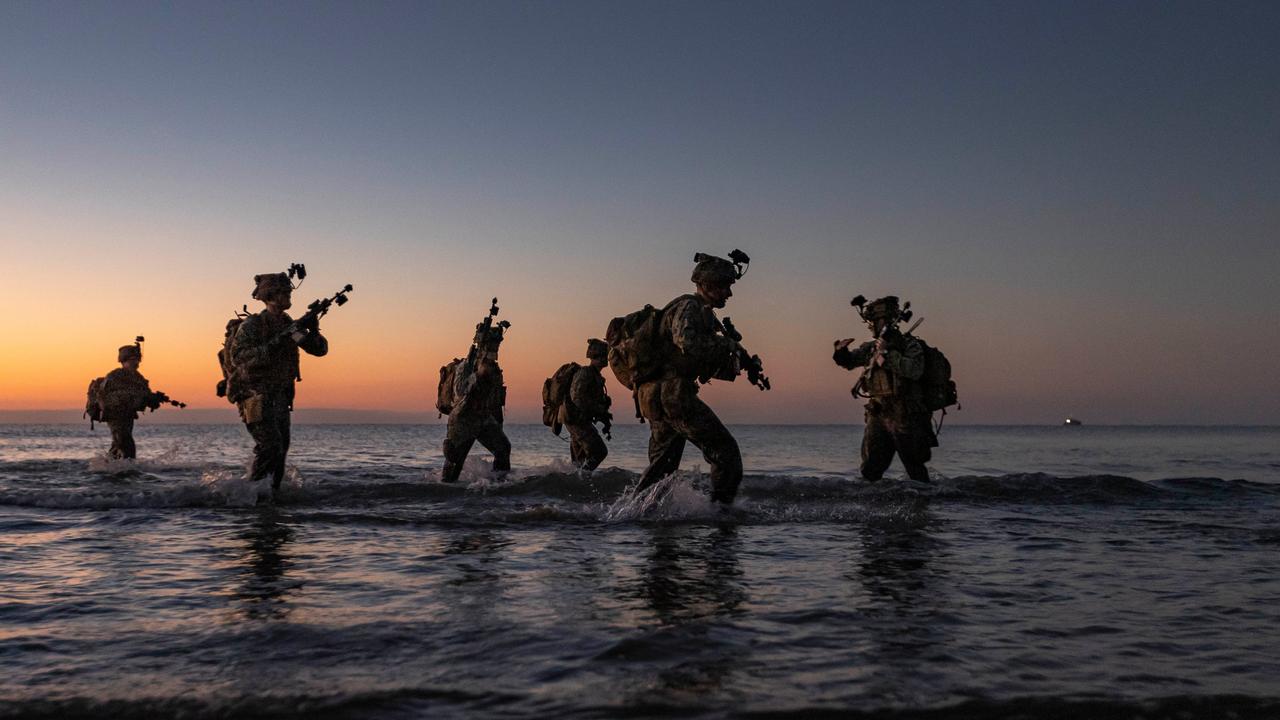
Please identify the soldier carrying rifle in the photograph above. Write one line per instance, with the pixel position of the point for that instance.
(575, 398)
(904, 380)
(260, 365)
(472, 394)
(117, 398)
(663, 355)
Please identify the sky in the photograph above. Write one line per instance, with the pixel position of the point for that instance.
(1081, 199)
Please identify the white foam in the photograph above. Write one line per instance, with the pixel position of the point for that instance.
(679, 496)
(170, 459)
(479, 476)
(235, 489)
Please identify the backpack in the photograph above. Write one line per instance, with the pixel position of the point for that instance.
(635, 349)
(93, 401)
(444, 391)
(555, 392)
(937, 389)
(225, 387)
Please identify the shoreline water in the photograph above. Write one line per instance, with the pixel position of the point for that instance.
(158, 589)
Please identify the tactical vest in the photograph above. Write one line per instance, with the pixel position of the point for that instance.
(879, 382)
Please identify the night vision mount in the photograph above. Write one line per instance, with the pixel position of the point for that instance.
(859, 303)
(299, 271)
(739, 259)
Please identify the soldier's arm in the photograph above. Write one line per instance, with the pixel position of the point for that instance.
(315, 344)
(907, 362)
(695, 338)
(854, 359)
(150, 398)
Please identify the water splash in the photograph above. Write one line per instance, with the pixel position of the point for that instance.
(679, 496)
(233, 488)
(175, 457)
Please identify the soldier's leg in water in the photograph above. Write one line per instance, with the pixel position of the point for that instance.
(586, 446)
(283, 430)
(666, 446)
(267, 444)
(877, 449)
(115, 452)
(130, 449)
(719, 448)
(597, 451)
(458, 440)
(494, 439)
(915, 448)
(122, 445)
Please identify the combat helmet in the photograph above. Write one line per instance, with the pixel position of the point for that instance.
(268, 284)
(884, 308)
(128, 352)
(597, 348)
(717, 270)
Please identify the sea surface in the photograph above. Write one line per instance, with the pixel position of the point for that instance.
(1048, 572)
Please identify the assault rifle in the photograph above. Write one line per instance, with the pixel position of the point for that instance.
(483, 331)
(606, 420)
(158, 398)
(750, 363)
(606, 425)
(298, 329)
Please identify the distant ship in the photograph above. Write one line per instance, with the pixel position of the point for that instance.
(1071, 421)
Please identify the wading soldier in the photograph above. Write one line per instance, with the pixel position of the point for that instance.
(120, 396)
(472, 393)
(693, 346)
(897, 416)
(264, 367)
(585, 403)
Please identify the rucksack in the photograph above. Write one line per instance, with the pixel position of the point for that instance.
(635, 348)
(938, 390)
(444, 391)
(555, 392)
(93, 401)
(225, 386)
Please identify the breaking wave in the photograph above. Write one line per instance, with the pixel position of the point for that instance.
(558, 491)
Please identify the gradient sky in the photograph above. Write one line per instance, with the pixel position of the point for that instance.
(1082, 199)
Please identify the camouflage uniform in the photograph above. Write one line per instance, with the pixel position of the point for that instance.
(477, 415)
(588, 402)
(671, 403)
(125, 392)
(265, 373)
(897, 421)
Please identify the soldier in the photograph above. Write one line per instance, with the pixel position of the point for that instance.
(588, 403)
(123, 394)
(695, 348)
(264, 358)
(477, 410)
(896, 416)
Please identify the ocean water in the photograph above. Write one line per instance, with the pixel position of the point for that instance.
(1114, 572)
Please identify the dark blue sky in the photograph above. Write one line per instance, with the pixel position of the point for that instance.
(1081, 197)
